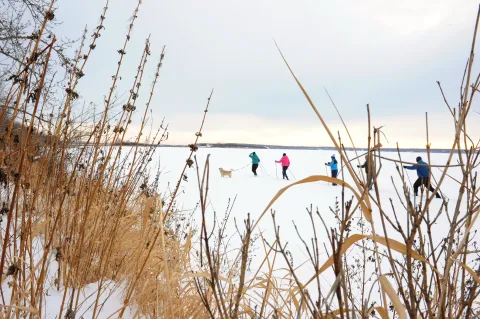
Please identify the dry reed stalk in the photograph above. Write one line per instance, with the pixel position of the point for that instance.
(93, 194)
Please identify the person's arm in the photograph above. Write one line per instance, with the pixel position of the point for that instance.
(413, 167)
(277, 162)
(329, 164)
(251, 155)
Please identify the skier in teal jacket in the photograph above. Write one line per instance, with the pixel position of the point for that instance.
(255, 162)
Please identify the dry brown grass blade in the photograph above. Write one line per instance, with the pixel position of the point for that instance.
(327, 129)
(392, 294)
(27, 309)
(39, 228)
(382, 312)
(334, 315)
(146, 212)
(366, 209)
(205, 274)
(470, 271)
(393, 244)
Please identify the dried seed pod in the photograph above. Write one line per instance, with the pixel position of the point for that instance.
(70, 314)
(49, 15)
(58, 254)
(189, 162)
(12, 270)
(3, 177)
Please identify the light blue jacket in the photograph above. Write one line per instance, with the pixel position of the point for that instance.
(333, 165)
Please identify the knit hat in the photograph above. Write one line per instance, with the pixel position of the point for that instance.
(419, 158)
(333, 156)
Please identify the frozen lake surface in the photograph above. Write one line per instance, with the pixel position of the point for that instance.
(254, 193)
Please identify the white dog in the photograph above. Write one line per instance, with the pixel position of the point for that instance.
(224, 172)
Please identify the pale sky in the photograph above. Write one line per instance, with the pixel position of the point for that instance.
(386, 53)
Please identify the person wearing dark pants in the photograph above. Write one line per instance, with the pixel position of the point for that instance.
(333, 164)
(255, 162)
(254, 169)
(369, 178)
(425, 182)
(423, 173)
(285, 161)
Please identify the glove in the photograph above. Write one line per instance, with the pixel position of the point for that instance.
(404, 167)
(358, 166)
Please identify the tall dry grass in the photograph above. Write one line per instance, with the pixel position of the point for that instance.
(79, 210)
(418, 276)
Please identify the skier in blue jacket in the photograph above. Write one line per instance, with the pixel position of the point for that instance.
(334, 167)
(423, 173)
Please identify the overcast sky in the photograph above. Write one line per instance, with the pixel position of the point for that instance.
(386, 53)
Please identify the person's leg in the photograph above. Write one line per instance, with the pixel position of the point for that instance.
(370, 182)
(254, 169)
(285, 172)
(429, 187)
(416, 185)
(334, 175)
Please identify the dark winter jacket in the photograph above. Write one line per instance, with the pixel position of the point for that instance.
(422, 170)
(365, 165)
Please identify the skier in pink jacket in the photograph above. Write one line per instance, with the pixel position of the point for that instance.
(285, 161)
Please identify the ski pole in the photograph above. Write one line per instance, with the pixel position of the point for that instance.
(326, 171)
(291, 173)
(264, 170)
(276, 171)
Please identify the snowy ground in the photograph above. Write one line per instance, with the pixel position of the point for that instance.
(254, 193)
